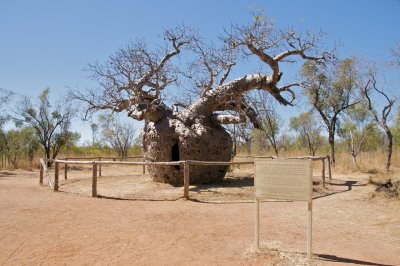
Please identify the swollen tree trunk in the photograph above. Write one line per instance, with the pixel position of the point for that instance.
(195, 134)
(176, 139)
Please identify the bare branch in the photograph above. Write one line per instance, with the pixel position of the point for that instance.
(382, 121)
(227, 119)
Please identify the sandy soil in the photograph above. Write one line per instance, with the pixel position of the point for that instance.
(153, 225)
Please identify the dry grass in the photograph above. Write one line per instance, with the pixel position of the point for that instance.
(368, 162)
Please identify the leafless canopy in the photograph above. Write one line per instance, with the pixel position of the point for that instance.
(274, 46)
(134, 79)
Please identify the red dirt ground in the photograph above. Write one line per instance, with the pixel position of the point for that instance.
(38, 226)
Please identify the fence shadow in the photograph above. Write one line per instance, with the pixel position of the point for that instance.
(6, 173)
(136, 199)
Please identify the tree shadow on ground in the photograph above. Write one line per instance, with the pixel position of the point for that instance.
(6, 173)
(340, 183)
(229, 182)
(333, 258)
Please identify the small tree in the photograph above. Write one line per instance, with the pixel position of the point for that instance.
(396, 129)
(242, 135)
(308, 130)
(382, 118)
(265, 109)
(94, 127)
(355, 129)
(50, 124)
(19, 143)
(5, 96)
(331, 90)
(118, 135)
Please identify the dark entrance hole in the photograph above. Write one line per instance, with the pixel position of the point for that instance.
(175, 155)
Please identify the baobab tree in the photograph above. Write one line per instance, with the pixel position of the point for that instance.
(138, 80)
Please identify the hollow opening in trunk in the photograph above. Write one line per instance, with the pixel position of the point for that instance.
(175, 155)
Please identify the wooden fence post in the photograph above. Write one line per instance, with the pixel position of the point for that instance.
(186, 180)
(56, 172)
(323, 172)
(94, 180)
(65, 171)
(99, 167)
(329, 167)
(41, 174)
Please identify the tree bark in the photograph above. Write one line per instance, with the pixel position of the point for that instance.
(332, 147)
(354, 157)
(389, 147)
(48, 155)
(179, 139)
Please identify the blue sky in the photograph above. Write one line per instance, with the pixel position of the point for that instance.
(48, 43)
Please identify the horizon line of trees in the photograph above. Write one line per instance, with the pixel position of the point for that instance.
(40, 127)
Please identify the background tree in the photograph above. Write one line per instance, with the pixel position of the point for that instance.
(135, 80)
(355, 129)
(331, 89)
(120, 136)
(94, 127)
(308, 130)
(382, 118)
(396, 129)
(3, 139)
(270, 120)
(242, 135)
(50, 124)
(396, 55)
(5, 96)
(19, 142)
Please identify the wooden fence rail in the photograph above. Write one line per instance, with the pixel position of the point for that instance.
(96, 166)
(315, 158)
(312, 158)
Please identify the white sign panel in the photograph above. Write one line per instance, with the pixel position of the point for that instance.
(281, 179)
